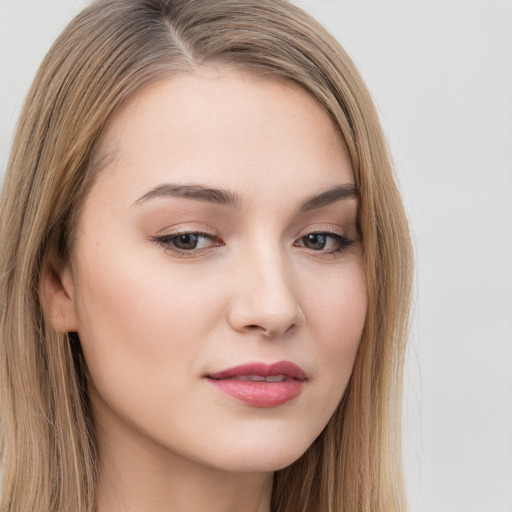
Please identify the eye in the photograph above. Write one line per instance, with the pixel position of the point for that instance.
(324, 242)
(188, 243)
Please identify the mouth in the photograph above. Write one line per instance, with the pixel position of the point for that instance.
(259, 384)
(260, 378)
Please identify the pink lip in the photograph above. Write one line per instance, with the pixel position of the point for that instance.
(261, 393)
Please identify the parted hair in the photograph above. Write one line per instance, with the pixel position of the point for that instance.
(105, 54)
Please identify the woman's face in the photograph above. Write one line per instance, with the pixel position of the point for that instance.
(219, 240)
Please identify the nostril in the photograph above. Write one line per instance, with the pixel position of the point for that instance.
(258, 329)
(265, 320)
(255, 328)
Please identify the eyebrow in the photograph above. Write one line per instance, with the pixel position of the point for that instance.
(228, 198)
(330, 196)
(197, 192)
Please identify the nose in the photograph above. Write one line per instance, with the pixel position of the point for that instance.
(264, 301)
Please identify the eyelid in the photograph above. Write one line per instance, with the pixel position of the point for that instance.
(337, 234)
(164, 240)
(185, 227)
(324, 229)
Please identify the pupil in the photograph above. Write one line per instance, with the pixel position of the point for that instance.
(315, 241)
(186, 241)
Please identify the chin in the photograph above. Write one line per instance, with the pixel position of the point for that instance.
(261, 456)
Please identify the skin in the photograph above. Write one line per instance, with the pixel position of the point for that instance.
(154, 322)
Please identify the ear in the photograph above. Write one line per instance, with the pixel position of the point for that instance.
(56, 293)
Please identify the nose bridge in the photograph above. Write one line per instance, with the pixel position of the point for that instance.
(266, 300)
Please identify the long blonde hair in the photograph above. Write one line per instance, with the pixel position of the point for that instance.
(106, 53)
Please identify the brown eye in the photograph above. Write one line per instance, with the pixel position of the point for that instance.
(315, 241)
(325, 242)
(191, 243)
(187, 241)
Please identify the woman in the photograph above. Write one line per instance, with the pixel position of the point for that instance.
(206, 270)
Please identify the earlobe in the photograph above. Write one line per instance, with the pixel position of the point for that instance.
(56, 293)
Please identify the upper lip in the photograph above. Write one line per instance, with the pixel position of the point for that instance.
(287, 368)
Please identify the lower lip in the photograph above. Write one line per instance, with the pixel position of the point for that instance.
(260, 394)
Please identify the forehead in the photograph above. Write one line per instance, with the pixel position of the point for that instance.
(223, 128)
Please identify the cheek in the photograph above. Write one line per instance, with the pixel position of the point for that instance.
(144, 333)
(146, 317)
(337, 315)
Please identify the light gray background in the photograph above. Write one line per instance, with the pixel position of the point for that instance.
(441, 73)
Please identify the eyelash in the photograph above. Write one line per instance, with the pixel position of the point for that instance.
(342, 241)
(167, 242)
